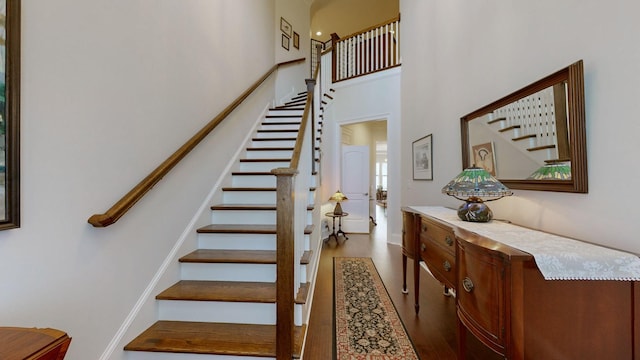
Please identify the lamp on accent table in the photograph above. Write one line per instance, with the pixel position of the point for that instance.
(338, 197)
(471, 186)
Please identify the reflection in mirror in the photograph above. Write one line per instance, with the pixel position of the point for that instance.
(533, 138)
(9, 113)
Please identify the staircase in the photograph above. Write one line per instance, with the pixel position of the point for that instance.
(225, 305)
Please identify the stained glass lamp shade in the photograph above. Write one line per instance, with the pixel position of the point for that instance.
(475, 186)
(552, 171)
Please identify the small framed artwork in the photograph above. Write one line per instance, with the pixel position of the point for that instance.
(285, 42)
(296, 40)
(285, 27)
(484, 156)
(423, 158)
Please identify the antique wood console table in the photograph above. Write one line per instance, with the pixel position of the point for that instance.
(527, 294)
(33, 344)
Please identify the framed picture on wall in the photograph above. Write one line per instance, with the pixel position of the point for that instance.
(296, 40)
(423, 158)
(285, 42)
(285, 27)
(484, 156)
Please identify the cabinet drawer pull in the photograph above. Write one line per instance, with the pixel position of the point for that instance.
(447, 266)
(423, 247)
(448, 240)
(467, 284)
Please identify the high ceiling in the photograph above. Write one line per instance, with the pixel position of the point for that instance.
(346, 17)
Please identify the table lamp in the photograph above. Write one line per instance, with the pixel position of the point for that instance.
(555, 170)
(470, 186)
(337, 197)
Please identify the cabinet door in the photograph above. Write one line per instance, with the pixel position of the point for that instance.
(481, 294)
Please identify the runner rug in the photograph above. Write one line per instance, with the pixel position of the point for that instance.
(367, 325)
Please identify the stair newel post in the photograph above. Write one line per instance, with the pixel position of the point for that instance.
(285, 277)
(334, 56)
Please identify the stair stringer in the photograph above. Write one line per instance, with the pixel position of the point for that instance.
(169, 270)
(304, 197)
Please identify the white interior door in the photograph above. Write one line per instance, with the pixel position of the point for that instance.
(355, 185)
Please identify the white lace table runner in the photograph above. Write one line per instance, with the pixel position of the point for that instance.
(557, 257)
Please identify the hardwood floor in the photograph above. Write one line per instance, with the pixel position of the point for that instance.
(433, 330)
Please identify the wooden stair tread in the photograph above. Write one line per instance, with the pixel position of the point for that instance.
(231, 291)
(509, 128)
(270, 149)
(251, 173)
(281, 117)
(274, 139)
(496, 120)
(266, 160)
(248, 189)
(243, 229)
(277, 130)
(216, 256)
(543, 147)
(288, 107)
(524, 137)
(249, 207)
(213, 338)
(254, 189)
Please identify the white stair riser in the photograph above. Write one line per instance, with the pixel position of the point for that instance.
(274, 112)
(263, 166)
(270, 154)
(256, 197)
(253, 181)
(247, 217)
(276, 135)
(142, 355)
(223, 311)
(241, 241)
(232, 272)
(249, 197)
(274, 143)
(237, 241)
(279, 126)
(228, 272)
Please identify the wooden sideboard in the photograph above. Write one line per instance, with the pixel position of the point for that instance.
(503, 299)
(33, 344)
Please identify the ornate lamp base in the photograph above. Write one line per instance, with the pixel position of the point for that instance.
(475, 210)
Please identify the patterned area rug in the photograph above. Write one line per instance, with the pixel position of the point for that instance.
(367, 325)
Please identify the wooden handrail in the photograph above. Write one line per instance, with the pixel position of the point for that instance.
(126, 202)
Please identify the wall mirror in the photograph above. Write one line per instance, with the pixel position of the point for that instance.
(9, 114)
(534, 138)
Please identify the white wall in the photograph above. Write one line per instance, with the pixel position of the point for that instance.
(110, 88)
(460, 55)
(296, 13)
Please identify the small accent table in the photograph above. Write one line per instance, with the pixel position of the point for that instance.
(333, 228)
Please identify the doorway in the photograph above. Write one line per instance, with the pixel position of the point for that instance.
(371, 135)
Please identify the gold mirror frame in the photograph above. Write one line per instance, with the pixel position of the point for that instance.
(574, 79)
(11, 114)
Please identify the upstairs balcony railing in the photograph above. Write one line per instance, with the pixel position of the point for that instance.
(374, 49)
